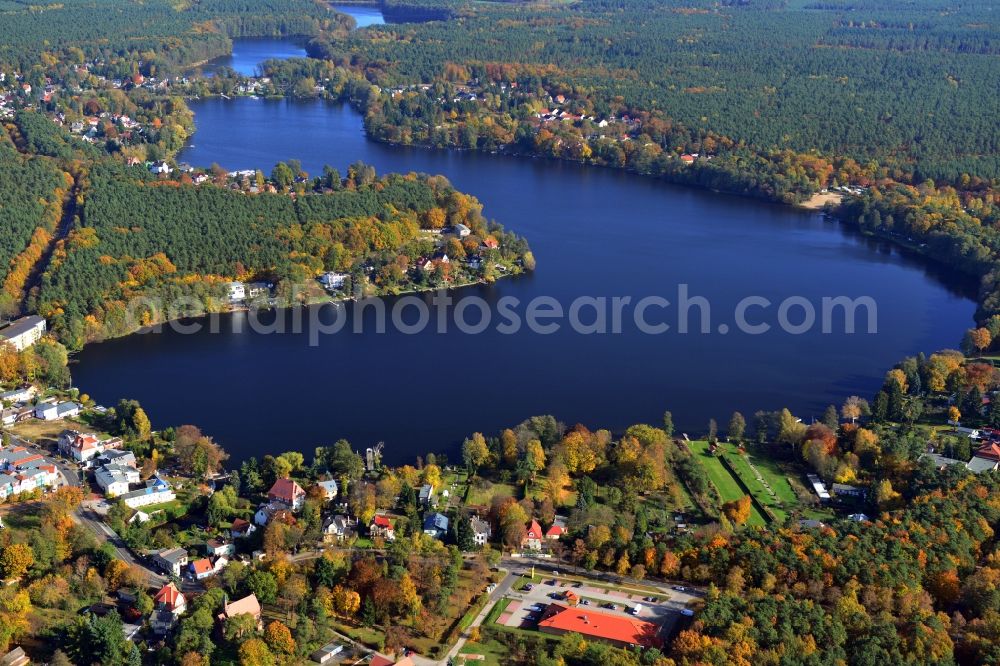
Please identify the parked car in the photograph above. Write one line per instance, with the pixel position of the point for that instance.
(680, 588)
(529, 587)
(585, 602)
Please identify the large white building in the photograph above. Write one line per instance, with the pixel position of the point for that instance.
(157, 491)
(24, 332)
(116, 480)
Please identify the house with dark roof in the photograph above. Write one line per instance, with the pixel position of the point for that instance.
(241, 528)
(171, 560)
(481, 530)
(436, 525)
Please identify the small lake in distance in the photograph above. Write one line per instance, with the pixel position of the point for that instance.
(363, 15)
(594, 232)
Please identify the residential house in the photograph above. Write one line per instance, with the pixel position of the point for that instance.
(137, 516)
(237, 292)
(202, 569)
(533, 537)
(49, 411)
(327, 653)
(171, 560)
(116, 456)
(157, 491)
(461, 230)
(218, 548)
(334, 280)
(273, 511)
(16, 657)
(557, 529)
(845, 490)
(481, 530)
(115, 480)
(940, 462)
(287, 492)
(986, 459)
(81, 447)
(336, 528)
(436, 525)
(241, 528)
(220, 563)
(379, 660)
(24, 332)
(329, 488)
(426, 495)
(245, 606)
(18, 395)
(159, 168)
(818, 486)
(382, 527)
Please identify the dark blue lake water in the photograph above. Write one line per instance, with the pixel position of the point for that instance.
(595, 233)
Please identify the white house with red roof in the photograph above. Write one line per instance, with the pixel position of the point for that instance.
(171, 599)
(241, 528)
(382, 527)
(533, 537)
(287, 492)
(557, 529)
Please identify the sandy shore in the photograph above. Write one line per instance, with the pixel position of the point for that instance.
(818, 200)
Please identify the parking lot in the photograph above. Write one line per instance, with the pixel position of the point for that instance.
(527, 606)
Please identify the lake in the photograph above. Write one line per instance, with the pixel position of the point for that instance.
(249, 53)
(363, 15)
(594, 232)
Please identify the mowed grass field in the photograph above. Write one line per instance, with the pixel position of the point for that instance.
(783, 497)
(727, 485)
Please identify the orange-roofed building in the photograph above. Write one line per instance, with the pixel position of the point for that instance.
(202, 568)
(171, 599)
(246, 606)
(379, 660)
(533, 537)
(618, 630)
(287, 492)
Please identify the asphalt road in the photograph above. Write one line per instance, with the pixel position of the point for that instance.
(86, 516)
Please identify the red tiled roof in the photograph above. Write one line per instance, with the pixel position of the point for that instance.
(201, 566)
(534, 530)
(239, 524)
(382, 521)
(168, 595)
(587, 622)
(555, 531)
(285, 490)
(991, 451)
(246, 605)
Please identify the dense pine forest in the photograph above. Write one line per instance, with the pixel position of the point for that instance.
(139, 236)
(909, 85)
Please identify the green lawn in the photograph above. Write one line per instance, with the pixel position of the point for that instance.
(727, 485)
(482, 496)
(493, 651)
(783, 498)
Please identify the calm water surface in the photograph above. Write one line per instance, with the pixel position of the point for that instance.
(594, 232)
(364, 16)
(249, 53)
